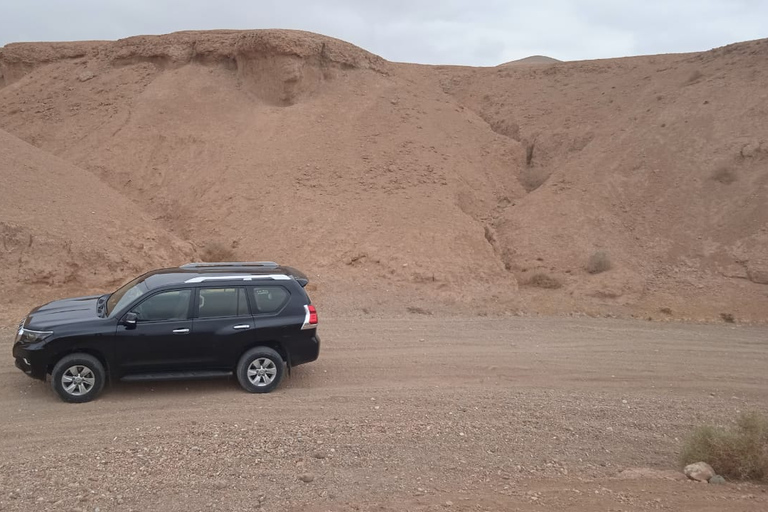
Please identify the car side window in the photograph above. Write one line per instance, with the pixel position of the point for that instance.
(269, 299)
(170, 305)
(217, 302)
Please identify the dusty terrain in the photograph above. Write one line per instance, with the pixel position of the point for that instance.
(437, 211)
(518, 414)
(397, 185)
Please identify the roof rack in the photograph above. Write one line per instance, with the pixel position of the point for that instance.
(274, 277)
(270, 264)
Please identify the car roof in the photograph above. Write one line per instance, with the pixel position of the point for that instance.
(224, 273)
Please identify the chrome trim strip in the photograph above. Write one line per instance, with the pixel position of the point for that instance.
(276, 277)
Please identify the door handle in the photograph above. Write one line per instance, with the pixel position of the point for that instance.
(241, 326)
(181, 331)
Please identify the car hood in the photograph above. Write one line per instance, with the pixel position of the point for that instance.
(62, 312)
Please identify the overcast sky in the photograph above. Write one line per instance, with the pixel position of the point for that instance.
(472, 32)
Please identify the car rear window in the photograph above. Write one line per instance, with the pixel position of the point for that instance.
(269, 299)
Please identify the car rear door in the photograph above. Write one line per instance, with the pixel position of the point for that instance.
(223, 325)
(277, 317)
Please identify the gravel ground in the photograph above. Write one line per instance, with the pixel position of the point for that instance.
(420, 414)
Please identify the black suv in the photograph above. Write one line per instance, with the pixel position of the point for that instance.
(199, 320)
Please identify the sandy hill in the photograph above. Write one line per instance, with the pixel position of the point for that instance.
(62, 228)
(407, 186)
(533, 59)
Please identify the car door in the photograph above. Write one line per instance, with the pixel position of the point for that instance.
(159, 341)
(223, 325)
(273, 320)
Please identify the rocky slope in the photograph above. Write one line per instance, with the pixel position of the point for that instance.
(63, 231)
(406, 186)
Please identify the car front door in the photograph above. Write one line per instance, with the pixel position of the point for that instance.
(159, 340)
(223, 325)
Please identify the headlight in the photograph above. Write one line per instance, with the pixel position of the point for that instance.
(30, 336)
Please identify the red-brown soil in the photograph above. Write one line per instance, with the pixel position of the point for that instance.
(393, 185)
(405, 414)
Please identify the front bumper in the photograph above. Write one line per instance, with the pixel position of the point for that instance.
(26, 362)
(23, 365)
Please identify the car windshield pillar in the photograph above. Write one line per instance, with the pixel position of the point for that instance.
(126, 295)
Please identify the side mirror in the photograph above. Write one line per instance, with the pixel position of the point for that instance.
(130, 319)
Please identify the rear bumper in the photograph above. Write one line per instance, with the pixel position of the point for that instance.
(306, 351)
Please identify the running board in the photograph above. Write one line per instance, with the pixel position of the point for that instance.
(203, 374)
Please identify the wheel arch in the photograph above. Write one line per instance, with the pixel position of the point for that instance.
(79, 350)
(273, 344)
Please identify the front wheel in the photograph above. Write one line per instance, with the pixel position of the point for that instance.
(260, 370)
(78, 378)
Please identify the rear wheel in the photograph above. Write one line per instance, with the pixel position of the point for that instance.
(78, 378)
(260, 370)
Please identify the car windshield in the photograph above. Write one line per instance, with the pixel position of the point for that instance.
(125, 295)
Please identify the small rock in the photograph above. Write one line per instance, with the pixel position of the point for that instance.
(85, 76)
(717, 480)
(306, 477)
(751, 149)
(700, 471)
(449, 503)
(219, 484)
(319, 455)
(758, 275)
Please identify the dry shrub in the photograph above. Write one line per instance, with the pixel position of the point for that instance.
(216, 251)
(548, 282)
(417, 310)
(728, 318)
(724, 175)
(737, 453)
(598, 262)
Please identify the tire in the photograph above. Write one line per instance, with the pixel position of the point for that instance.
(257, 366)
(78, 378)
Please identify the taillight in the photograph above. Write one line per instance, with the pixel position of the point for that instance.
(310, 317)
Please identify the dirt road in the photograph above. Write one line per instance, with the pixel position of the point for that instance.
(419, 413)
